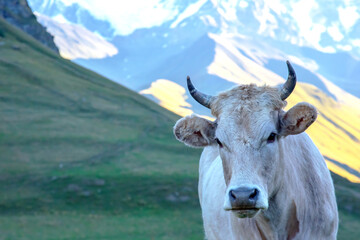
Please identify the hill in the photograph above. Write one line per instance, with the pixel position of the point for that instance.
(85, 158)
(221, 44)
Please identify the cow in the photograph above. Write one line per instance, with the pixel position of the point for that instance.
(260, 174)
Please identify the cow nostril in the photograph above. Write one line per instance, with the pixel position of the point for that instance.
(254, 194)
(232, 195)
(243, 197)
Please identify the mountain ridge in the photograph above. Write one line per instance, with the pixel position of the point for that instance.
(75, 41)
(212, 42)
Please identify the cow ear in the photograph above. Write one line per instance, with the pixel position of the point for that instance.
(195, 131)
(297, 119)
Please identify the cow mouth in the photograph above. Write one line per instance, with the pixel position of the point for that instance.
(245, 212)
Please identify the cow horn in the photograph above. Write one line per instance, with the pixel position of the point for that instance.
(290, 83)
(200, 97)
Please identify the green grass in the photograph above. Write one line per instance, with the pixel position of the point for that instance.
(348, 199)
(84, 158)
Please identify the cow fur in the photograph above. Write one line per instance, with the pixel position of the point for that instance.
(297, 201)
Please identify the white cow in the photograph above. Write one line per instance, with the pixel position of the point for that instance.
(261, 176)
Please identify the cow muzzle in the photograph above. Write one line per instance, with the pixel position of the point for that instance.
(244, 201)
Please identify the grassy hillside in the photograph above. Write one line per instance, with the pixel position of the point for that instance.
(84, 158)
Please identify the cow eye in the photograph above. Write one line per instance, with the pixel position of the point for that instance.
(218, 142)
(271, 138)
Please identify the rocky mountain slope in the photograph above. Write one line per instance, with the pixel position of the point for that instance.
(19, 14)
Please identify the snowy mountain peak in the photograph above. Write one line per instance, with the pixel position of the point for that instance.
(326, 26)
(75, 41)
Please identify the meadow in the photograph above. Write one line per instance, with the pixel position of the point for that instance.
(82, 157)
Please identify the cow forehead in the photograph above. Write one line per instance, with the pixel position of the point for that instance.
(247, 110)
(247, 100)
(250, 129)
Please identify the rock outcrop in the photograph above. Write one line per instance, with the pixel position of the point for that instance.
(19, 14)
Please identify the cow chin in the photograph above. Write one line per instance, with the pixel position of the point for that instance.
(246, 213)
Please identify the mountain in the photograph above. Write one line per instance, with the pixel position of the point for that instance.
(75, 41)
(73, 13)
(85, 158)
(224, 43)
(322, 37)
(18, 13)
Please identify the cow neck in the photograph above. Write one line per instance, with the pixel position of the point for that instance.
(269, 221)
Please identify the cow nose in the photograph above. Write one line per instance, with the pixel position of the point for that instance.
(243, 197)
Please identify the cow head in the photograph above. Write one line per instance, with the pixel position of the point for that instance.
(248, 131)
